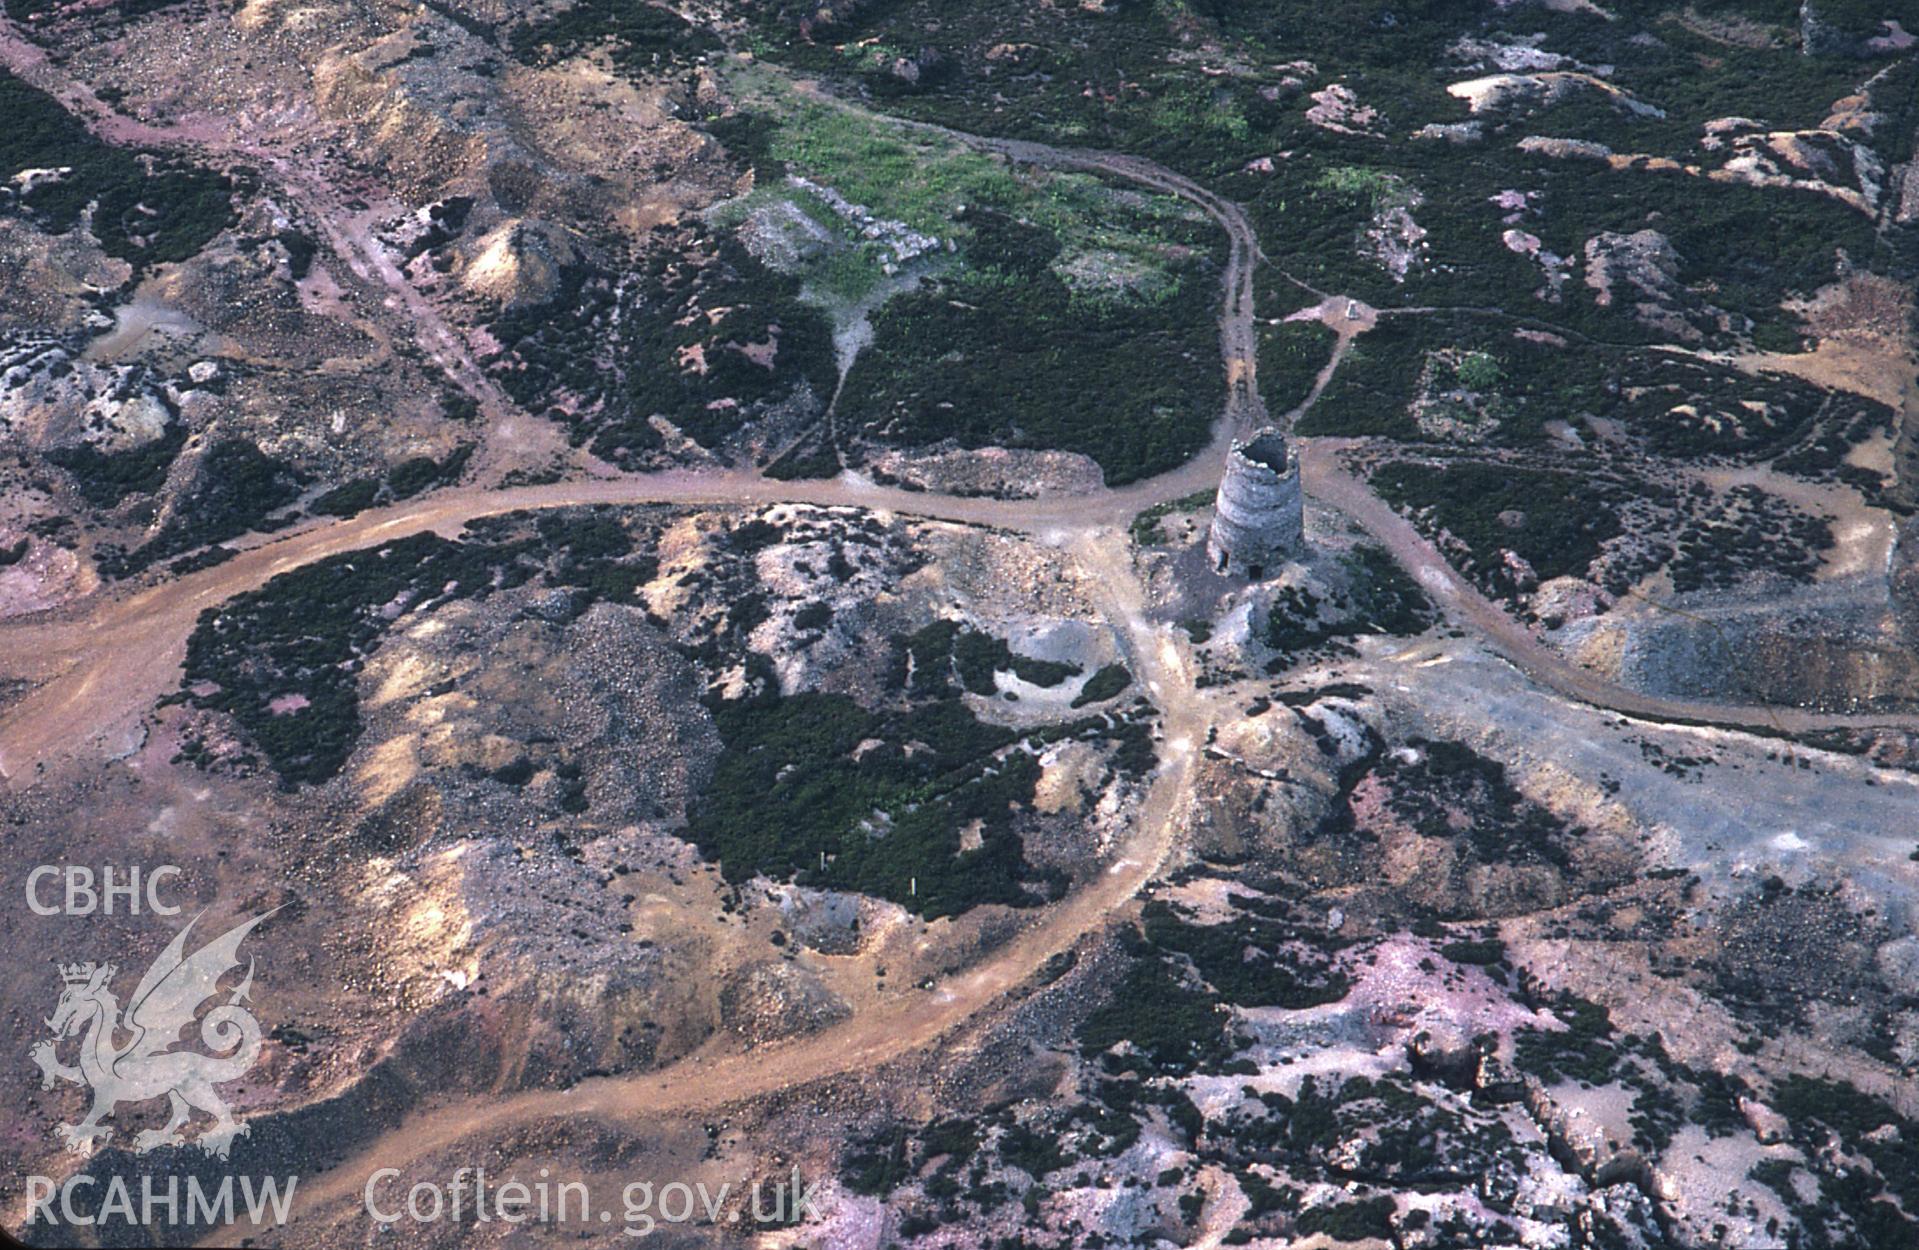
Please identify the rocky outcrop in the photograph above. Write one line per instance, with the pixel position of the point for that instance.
(1564, 149)
(50, 398)
(519, 262)
(1336, 108)
(396, 127)
(1506, 92)
(1639, 272)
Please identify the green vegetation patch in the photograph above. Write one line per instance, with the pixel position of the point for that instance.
(421, 473)
(1374, 386)
(1694, 76)
(1448, 793)
(1171, 1005)
(920, 179)
(1385, 1133)
(1172, 1027)
(1688, 408)
(1005, 354)
(1378, 598)
(1146, 529)
(930, 659)
(882, 1162)
(1117, 243)
(1367, 1219)
(1516, 385)
(697, 331)
(148, 208)
(1852, 1197)
(402, 481)
(1061, 73)
(1747, 530)
(304, 636)
(1448, 381)
(1587, 1049)
(284, 660)
(1252, 961)
(1553, 521)
(349, 498)
(107, 478)
(640, 37)
(1058, 311)
(236, 488)
(1218, 90)
(1108, 683)
(816, 788)
(917, 800)
(1291, 354)
(31, 13)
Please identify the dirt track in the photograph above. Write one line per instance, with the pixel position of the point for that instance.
(99, 672)
(897, 1029)
(1325, 480)
(102, 671)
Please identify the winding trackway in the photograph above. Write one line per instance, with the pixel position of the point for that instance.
(1239, 340)
(97, 675)
(914, 1021)
(1325, 480)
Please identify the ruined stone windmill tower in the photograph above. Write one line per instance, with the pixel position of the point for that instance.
(1258, 521)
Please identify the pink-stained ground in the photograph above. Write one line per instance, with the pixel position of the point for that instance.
(853, 1222)
(1896, 39)
(1401, 987)
(46, 577)
(761, 354)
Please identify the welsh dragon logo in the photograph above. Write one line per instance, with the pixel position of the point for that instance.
(147, 1067)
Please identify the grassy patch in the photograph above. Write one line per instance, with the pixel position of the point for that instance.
(1114, 243)
(1007, 355)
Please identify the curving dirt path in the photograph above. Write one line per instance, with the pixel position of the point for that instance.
(103, 669)
(708, 1081)
(1238, 337)
(1327, 481)
(97, 672)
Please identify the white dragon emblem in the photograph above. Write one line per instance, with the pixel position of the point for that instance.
(147, 1066)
